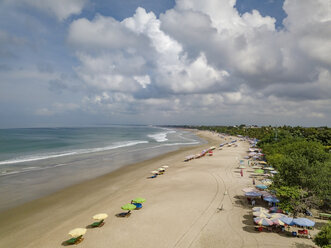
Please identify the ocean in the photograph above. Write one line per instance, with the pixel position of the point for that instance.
(35, 162)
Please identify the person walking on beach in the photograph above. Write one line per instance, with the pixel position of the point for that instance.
(241, 172)
(253, 181)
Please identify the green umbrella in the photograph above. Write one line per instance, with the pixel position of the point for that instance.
(128, 207)
(259, 171)
(138, 200)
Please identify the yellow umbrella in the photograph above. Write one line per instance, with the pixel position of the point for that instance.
(77, 232)
(100, 216)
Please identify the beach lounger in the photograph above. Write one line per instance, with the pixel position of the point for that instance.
(98, 223)
(324, 216)
(74, 241)
(138, 206)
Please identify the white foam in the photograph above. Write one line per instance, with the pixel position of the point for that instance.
(74, 152)
(162, 136)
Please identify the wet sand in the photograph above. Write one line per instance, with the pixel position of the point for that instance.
(181, 208)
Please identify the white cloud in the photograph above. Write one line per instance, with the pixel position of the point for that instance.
(61, 9)
(202, 54)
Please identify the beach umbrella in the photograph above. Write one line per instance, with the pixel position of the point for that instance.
(261, 214)
(271, 199)
(259, 171)
(138, 200)
(77, 232)
(242, 167)
(256, 167)
(303, 222)
(287, 220)
(249, 190)
(165, 166)
(277, 215)
(261, 186)
(154, 172)
(260, 209)
(277, 221)
(262, 162)
(129, 207)
(161, 169)
(253, 194)
(275, 210)
(100, 216)
(269, 168)
(273, 172)
(263, 221)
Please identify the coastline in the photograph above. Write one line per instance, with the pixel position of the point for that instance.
(11, 219)
(181, 208)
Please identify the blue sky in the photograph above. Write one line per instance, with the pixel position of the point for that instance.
(82, 62)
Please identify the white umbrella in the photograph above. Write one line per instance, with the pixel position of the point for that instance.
(100, 216)
(154, 172)
(165, 166)
(161, 169)
(77, 232)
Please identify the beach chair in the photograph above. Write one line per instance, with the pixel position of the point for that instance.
(138, 206)
(74, 241)
(98, 224)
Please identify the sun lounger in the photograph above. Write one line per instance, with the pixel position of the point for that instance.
(138, 206)
(325, 216)
(74, 241)
(98, 223)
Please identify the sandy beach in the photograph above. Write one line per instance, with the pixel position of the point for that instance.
(181, 208)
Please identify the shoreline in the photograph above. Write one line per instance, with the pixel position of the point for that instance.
(77, 192)
(49, 176)
(196, 204)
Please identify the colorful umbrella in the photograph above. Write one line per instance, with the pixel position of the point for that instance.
(260, 209)
(263, 221)
(253, 194)
(275, 210)
(287, 220)
(249, 190)
(277, 215)
(277, 221)
(303, 222)
(261, 186)
(261, 214)
(271, 199)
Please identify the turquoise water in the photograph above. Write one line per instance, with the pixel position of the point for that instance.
(35, 162)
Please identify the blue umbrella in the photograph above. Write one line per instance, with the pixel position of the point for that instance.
(271, 199)
(287, 220)
(261, 186)
(303, 222)
(253, 194)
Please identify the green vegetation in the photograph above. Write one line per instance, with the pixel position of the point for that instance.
(323, 238)
(300, 155)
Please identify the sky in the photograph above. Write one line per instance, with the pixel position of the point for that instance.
(211, 62)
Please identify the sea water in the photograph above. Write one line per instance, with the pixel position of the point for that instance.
(35, 162)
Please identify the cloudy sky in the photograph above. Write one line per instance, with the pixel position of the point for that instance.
(84, 62)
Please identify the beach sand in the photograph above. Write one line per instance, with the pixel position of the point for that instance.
(181, 208)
